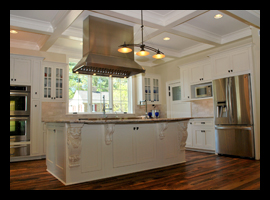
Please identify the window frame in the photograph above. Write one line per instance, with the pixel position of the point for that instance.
(131, 96)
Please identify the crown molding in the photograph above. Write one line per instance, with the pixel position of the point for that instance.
(32, 24)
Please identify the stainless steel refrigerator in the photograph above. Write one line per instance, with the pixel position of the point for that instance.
(233, 116)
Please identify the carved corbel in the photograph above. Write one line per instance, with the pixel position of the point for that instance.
(108, 131)
(162, 128)
(74, 144)
(182, 134)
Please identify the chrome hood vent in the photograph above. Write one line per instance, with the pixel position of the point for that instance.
(101, 39)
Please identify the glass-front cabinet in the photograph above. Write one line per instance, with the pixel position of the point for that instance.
(53, 81)
(150, 88)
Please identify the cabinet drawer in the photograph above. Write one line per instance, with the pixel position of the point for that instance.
(202, 123)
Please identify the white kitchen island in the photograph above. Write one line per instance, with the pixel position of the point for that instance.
(85, 150)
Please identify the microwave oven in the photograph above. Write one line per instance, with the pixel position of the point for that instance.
(203, 91)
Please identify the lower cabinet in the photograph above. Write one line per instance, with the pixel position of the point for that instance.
(133, 144)
(201, 134)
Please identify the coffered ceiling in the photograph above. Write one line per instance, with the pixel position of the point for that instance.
(190, 31)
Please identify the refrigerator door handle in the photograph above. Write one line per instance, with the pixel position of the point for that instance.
(233, 127)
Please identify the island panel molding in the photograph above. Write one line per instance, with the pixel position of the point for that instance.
(74, 144)
(162, 128)
(182, 134)
(108, 130)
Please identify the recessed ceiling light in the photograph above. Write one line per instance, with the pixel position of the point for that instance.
(166, 38)
(218, 16)
(13, 31)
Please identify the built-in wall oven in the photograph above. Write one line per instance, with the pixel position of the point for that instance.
(20, 120)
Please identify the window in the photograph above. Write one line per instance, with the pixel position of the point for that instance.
(86, 93)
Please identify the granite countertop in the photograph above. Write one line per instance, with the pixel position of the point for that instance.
(118, 120)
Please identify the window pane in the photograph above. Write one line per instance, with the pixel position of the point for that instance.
(78, 91)
(120, 95)
(100, 87)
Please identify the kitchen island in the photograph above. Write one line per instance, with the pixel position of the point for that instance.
(90, 149)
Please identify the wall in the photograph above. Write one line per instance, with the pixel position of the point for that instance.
(48, 56)
(256, 89)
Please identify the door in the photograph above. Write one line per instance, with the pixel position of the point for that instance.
(239, 99)
(176, 107)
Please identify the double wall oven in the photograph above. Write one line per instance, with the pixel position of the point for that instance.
(20, 97)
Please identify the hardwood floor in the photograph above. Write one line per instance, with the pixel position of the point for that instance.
(202, 171)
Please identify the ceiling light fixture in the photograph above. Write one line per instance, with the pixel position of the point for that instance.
(218, 16)
(124, 47)
(166, 38)
(13, 31)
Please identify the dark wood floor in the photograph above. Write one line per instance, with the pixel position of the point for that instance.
(202, 171)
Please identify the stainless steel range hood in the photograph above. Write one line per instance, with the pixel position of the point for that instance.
(101, 39)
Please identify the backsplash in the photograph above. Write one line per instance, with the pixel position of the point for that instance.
(202, 108)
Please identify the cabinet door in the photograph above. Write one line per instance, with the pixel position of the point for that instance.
(203, 139)
(22, 71)
(196, 74)
(221, 65)
(240, 61)
(185, 92)
(156, 90)
(124, 150)
(91, 148)
(47, 83)
(145, 142)
(147, 89)
(58, 80)
(198, 138)
(207, 72)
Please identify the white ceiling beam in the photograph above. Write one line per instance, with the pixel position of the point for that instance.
(249, 17)
(62, 22)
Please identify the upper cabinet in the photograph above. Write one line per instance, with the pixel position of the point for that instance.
(148, 88)
(53, 81)
(232, 62)
(194, 73)
(20, 71)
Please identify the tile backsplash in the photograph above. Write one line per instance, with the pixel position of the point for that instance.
(202, 108)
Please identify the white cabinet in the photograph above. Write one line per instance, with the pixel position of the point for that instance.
(53, 76)
(20, 71)
(148, 88)
(201, 72)
(184, 78)
(201, 134)
(134, 144)
(232, 62)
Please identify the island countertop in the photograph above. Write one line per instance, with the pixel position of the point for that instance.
(128, 120)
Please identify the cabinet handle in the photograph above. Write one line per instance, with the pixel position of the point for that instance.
(202, 131)
(202, 122)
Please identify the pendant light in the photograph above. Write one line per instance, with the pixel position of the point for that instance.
(158, 55)
(124, 47)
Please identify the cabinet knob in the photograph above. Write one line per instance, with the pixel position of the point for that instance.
(229, 71)
(134, 128)
(12, 79)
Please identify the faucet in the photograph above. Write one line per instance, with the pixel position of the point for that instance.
(146, 115)
(104, 109)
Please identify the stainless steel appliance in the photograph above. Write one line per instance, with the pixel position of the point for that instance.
(203, 91)
(233, 116)
(20, 120)
(20, 100)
